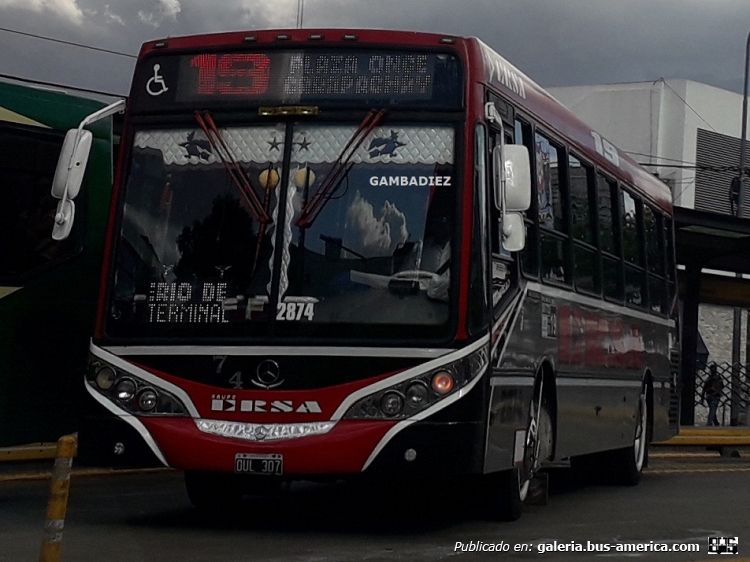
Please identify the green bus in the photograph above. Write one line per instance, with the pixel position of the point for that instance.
(48, 288)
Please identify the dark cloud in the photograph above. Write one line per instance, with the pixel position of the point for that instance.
(556, 42)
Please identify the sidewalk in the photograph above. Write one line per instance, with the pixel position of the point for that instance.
(18, 471)
(35, 461)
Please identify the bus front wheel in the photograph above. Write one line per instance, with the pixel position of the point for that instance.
(505, 492)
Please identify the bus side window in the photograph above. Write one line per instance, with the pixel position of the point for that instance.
(654, 239)
(631, 218)
(530, 254)
(609, 239)
(583, 226)
(552, 212)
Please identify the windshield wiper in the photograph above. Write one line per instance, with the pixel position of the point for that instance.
(339, 171)
(207, 125)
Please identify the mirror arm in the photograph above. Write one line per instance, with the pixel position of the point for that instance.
(503, 206)
(62, 215)
(111, 109)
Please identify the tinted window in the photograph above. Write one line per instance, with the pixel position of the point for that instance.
(629, 221)
(606, 227)
(529, 255)
(579, 201)
(654, 241)
(551, 211)
(551, 202)
(553, 258)
(27, 211)
(586, 269)
(609, 241)
(612, 278)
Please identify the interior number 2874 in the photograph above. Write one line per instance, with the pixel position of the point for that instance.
(295, 311)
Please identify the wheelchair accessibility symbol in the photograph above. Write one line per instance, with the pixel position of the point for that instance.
(155, 85)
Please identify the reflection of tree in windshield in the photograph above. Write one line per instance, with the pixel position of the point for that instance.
(221, 245)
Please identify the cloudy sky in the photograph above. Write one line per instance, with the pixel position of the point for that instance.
(555, 42)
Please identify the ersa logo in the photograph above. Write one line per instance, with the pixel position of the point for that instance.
(228, 403)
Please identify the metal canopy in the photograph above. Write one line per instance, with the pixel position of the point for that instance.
(705, 240)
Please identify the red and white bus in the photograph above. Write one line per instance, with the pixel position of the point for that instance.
(344, 252)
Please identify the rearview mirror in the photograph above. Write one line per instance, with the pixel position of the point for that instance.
(514, 232)
(512, 186)
(517, 178)
(71, 166)
(66, 211)
(512, 171)
(72, 163)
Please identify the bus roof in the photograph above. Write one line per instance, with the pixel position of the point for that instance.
(48, 108)
(485, 65)
(534, 100)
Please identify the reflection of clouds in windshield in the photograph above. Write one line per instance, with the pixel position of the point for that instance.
(373, 235)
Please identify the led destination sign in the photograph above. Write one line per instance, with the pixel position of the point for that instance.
(297, 75)
(294, 77)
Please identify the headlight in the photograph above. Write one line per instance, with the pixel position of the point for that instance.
(130, 392)
(148, 399)
(392, 403)
(411, 396)
(105, 378)
(417, 393)
(125, 390)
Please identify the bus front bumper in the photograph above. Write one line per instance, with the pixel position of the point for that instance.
(349, 447)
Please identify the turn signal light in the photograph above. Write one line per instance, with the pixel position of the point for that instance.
(443, 382)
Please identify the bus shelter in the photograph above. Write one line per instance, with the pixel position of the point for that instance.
(713, 253)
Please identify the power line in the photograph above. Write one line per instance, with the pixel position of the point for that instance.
(657, 157)
(689, 106)
(703, 167)
(81, 45)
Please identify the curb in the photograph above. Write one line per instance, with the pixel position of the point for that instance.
(30, 452)
(76, 472)
(692, 436)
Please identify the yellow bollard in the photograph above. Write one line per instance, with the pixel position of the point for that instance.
(58, 499)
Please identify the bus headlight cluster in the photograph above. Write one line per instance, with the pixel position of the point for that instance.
(130, 392)
(411, 396)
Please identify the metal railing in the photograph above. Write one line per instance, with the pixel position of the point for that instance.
(734, 406)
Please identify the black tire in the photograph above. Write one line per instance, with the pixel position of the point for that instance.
(627, 464)
(213, 491)
(501, 495)
(623, 467)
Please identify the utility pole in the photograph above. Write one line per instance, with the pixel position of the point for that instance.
(300, 13)
(735, 403)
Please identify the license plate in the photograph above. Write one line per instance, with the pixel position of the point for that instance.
(248, 463)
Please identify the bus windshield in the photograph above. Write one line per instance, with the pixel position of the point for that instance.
(348, 235)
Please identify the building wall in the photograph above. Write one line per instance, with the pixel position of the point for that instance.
(715, 325)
